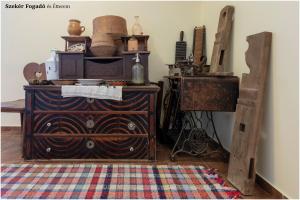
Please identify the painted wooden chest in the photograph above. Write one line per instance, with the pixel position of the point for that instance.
(85, 128)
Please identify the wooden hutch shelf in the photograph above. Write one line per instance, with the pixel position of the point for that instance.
(76, 65)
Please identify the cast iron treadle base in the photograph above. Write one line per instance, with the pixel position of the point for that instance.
(193, 139)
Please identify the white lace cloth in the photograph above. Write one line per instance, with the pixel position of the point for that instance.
(97, 92)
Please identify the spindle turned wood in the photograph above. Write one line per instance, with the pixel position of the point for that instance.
(84, 128)
(248, 120)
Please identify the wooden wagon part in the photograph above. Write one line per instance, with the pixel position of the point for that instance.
(221, 47)
(246, 132)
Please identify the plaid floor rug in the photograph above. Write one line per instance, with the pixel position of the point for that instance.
(87, 181)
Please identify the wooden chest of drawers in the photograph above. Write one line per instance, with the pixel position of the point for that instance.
(84, 128)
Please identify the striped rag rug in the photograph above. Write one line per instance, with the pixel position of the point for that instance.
(115, 181)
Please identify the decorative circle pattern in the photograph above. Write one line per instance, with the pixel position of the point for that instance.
(75, 148)
(52, 100)
(126, 146)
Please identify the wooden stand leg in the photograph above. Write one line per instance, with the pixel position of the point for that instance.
(22, 131)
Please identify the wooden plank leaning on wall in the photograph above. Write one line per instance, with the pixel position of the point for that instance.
(246, 132)
(221, 49)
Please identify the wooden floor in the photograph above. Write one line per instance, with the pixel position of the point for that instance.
(11, 153)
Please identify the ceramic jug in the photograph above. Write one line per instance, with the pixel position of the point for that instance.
(74, 28)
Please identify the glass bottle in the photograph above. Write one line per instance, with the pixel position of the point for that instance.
(52, 66)
(136, 27)
(138, 72)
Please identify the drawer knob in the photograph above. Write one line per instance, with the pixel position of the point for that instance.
(90, 144)
(90, 123)
(49, 124)
(131, 126)
(90, 100)
(131, 149)
(48, 149)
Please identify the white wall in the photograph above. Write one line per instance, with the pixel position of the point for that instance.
(29, 35)
(278, 150)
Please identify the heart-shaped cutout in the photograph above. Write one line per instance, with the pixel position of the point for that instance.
(34, 71)
(38, 74)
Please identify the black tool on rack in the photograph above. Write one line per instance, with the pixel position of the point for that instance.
(180, 53)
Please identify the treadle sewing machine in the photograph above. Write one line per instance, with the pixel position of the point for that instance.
(185, 96)
(200, 87)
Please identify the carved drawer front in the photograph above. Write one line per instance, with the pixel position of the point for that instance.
(52, 100)
(58, 124)
(47, 100)
(91, 124)
(58, 147)
(132, 101)
(120, 124)
(47, 123)
(121, 148)
(106, 69)
(90, 147)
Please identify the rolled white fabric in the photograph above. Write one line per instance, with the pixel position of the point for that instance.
(97, 92)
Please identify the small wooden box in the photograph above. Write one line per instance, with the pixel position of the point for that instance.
(133, 45)
(73, 40)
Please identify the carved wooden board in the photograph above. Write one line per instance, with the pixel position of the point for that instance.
(241, 172)
(221, 52)
(199, 44)
(34, 71)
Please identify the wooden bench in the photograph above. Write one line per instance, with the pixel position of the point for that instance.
(17, 106)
